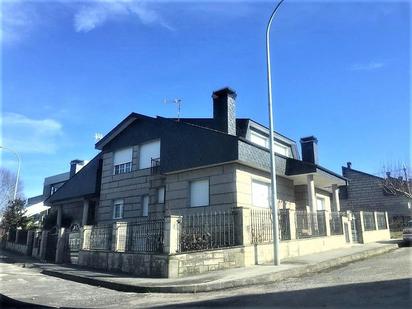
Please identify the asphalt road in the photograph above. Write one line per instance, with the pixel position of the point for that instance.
(380, 282)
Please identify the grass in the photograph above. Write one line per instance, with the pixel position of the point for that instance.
(397, 234)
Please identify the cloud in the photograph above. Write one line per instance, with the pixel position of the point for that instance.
(26, 135)
(93, 14)
(370, 66)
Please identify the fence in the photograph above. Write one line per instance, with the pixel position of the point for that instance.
(335, 222)
(206, 230)
(381, 218)
(101, 237)
(145, 236)
(369, 221)
(310, 224)
(261, 225)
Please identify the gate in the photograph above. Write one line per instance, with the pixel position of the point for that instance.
(73, 244)
(51, 245)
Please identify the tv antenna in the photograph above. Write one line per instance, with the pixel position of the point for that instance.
(176, 101)
(98, 136)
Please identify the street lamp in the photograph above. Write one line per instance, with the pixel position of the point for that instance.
(273, 196)
(18, 169)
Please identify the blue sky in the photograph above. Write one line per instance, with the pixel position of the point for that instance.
(341, 72)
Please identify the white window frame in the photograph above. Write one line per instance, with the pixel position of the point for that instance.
(144, 164)
(281, 149)
(145, 207)
(254, 200)
(259, 139)
(124, 165)
(118, 203)
(161, 195)
(198, 182)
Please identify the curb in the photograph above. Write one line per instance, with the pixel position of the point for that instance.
(215, 286)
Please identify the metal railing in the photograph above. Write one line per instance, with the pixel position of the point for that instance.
(310, 224)
(206, 230)
(155, 166)
(381, 218)
(261, 225)
(369, 221)
(101, 237)
(145, 236)
(335, 223)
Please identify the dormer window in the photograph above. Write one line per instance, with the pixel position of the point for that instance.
(259, 139)
(122, 161)
(281, 149)
(149, 152)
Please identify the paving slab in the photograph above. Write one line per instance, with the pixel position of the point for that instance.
(217, 280)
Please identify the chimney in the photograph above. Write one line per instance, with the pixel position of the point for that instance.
(75, 166)
(224, 110)
(309, 147)
(349, 165)
(388, 174)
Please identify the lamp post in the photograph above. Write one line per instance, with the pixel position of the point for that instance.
(18, 169)
(273, 196)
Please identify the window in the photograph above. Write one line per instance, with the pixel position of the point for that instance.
(161, 195)
(145, 205)
(281, 149)
(199, 193)
(320, 203)
(149, 151)
(122, 161)
(259, 139)
(260, 194)
(53, 190)
(118, 209)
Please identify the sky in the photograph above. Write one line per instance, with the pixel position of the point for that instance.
(341, 72)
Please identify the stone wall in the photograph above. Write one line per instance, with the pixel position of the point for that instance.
(23, 249)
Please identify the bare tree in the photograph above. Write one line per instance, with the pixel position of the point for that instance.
(397, 179)
(7, 183)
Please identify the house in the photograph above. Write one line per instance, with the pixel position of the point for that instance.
(373, 193)
(152, 167)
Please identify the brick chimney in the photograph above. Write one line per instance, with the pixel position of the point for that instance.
(309, 147)
(75, 166)
(224, 110)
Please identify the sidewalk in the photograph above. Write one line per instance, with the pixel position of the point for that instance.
(238, 277)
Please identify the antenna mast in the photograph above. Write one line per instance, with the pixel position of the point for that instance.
(176, 101)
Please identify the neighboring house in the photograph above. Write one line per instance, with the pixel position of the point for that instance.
(371, 193)
(152, 167)
(35, 206)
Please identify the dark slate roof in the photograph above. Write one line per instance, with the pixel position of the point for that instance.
(297, 167)
(85, 183)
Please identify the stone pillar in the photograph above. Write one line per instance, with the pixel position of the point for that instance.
(86, 231)
(292, 224)
(327, 218)
(29, 242)
(59, 216)
(311, 193)
(171, 234)
(17, 236)
(119, 236)
(85, 212)
(387, 222)
(43, 244)
(335, 198)
(61, 246)
(375, 217)
(242, 225)
(362, 224)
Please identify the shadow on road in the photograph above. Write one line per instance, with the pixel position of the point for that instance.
(380, 294)
(10, 303)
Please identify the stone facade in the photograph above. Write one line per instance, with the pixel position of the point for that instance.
(365, 192)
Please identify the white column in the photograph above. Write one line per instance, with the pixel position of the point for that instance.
(311, 193)
(335, 198)
(85, 212)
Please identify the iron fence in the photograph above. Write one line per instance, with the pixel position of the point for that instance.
(381, 218)
(261, 225)
(369, 221)
(12, 235)
(335, 223)
(37, 239)
(101, 237)
(22, 237)
(206, 230)
(145, 236)
(310, 224)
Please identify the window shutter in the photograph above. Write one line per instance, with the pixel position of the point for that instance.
(199, 193)
(123, 156)
(147, 152)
